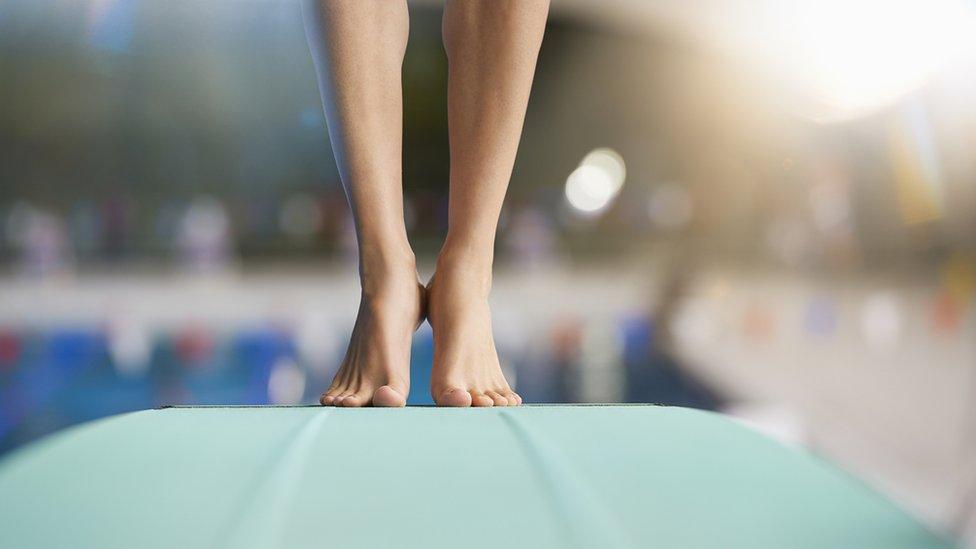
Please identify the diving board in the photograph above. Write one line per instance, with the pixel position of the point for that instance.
(532, 476)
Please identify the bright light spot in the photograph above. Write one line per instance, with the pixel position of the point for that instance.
(130, 347)
(589, 189)
(859, 56)
(851, 57)
(610, 162)
(592, 187)
(669, 206)
(881, 321)
(286, 386)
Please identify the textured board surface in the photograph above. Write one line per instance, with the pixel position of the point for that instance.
(534, 476)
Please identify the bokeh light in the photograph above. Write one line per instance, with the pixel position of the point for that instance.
(130, 345)
(592, 187)
(286, 385)
(881, 321)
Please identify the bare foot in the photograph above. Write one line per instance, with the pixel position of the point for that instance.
(466, 369)
(376, 368)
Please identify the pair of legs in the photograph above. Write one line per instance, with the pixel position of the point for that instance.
(358, 48)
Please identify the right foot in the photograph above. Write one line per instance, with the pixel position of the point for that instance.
(376, 368)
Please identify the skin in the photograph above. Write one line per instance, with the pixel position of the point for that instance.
(358, 48)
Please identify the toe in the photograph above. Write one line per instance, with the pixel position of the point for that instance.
(481, 400)
(329, 396)
(513, 398)
(497, 398)
(354, 400)
(340, 398)
(388, 397)
(454, 397)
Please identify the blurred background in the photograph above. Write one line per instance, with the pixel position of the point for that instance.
(763, 208)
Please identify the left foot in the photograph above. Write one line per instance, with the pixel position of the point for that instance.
(466, 370)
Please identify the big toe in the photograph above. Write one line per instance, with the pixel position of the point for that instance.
(454, 397)
(388, 397)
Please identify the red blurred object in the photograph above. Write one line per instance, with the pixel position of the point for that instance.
(566, 338)
(194, 346)
(9, 349)
(946, 314)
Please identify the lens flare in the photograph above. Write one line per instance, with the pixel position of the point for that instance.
(845, 59)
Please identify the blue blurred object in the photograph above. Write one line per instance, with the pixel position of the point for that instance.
(421, 359)
(238, 373)
(653, 375)
(36, 390)
(11, 358)
(66, 354)
(102, 391)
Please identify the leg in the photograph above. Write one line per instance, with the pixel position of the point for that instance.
(358, 48)
(492, 47)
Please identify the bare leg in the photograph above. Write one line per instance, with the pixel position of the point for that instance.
(358, 48)
(492, 47)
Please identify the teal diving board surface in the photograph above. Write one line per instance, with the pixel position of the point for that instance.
(532, 476)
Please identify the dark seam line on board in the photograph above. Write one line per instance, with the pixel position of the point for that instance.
(267, 500)
(588, 520)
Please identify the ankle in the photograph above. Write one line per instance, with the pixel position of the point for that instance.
(382, 267)
(471, 264)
